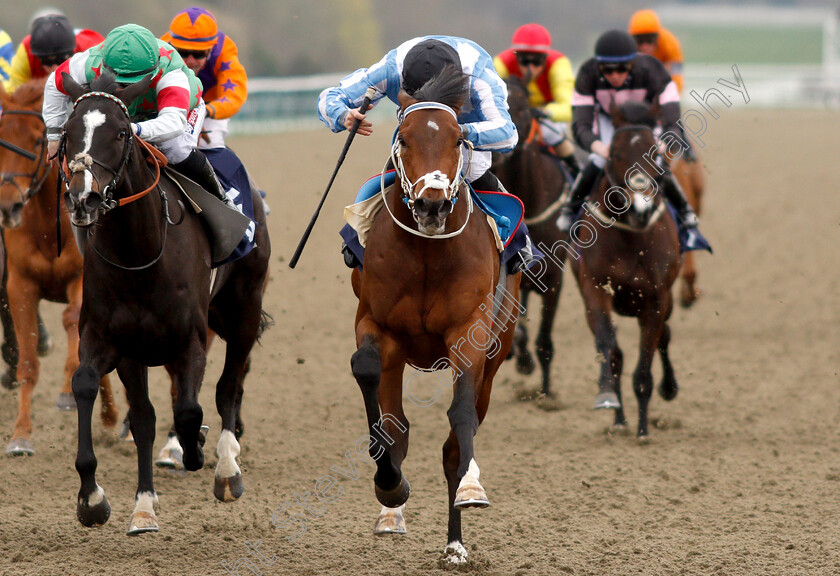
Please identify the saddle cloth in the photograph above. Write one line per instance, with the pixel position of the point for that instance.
(503, 211)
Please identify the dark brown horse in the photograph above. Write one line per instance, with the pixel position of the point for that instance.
(426, 299)
(629, 260)
(539, 181)
(35, 269)
(150, 297)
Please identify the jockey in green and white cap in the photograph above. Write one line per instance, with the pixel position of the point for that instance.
(169, 114)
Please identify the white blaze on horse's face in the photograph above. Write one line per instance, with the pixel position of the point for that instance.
(433, 125)
(640, 184)
(92, 120)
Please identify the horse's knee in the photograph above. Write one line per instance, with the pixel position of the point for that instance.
(643, 383)
(85, 384)
(367, 366)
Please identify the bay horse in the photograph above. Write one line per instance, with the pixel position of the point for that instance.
(35, 269)
(150, 296)
(629, 259)
(426, 299)
(691, 175)
(538, 181)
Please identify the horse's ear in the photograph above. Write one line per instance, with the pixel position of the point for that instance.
(133, 91)
(404, 99)
(73, 88)
(615, 113)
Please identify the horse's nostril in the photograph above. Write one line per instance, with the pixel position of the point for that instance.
(17, 207)
(92, 202)
(421, 206)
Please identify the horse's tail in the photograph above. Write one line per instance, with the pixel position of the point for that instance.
(266, 322)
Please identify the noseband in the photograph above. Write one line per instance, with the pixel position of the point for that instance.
(435, 180)
(35, 180)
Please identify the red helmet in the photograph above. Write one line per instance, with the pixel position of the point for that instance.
(531, 38)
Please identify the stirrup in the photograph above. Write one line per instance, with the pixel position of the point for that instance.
(566, 218)
(522, 259)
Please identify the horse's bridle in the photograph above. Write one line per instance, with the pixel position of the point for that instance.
(435, 180)
(35, 180)
(622, 184)
(83, 162)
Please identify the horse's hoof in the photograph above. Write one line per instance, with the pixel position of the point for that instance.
(525, 364)
(606, 401)
(668, 391)
(96, 513)
(228, 489)
(194, 459)
(396, 497)
(20, 447)
(142, 522)
(470, 493)
(9, 379)
(390, 521)
(170, 458)
(202, 434)
(65, 402)
(455, 553)
(125, 433)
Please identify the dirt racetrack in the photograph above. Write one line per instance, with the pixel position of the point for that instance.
(741, 475)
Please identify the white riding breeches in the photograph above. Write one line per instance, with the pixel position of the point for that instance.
(177, 149)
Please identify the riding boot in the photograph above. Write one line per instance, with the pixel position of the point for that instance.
(488, 182)
(198, 168)
(580, 190)
(675, 195)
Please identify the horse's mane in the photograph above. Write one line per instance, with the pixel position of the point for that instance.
(105, 82)
(450, 87)
(29, 94)
(637, 113)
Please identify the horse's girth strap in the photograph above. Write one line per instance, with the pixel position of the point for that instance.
(155, 157)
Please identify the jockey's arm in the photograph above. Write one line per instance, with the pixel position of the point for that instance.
(495, 130)
(231, 88)
(334, 103)
(562, 82)
(173, 102)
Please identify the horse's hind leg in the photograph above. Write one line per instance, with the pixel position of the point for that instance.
(598, 307)
(228, 485)
(142, 418)
(545, 346)
(388, 432)
(524, 361)
(10, 345)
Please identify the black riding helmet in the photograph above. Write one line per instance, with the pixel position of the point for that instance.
(52, 35)
(615, 46)
(424, 61)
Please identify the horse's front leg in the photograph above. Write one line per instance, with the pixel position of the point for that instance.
(598, 304)
(142, 418)
(377, 366)
(23, 299)
(470, 348)
(524, 361)
(10, 345)
(187, 373)
(92, 508)
(544, 344)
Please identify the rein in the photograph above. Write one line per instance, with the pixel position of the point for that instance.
(35, 181)
(435, 180)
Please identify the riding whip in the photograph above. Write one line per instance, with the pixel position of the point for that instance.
(369, 94)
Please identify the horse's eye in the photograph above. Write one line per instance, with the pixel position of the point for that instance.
(122, 134)
(401, 140)
(460, 142)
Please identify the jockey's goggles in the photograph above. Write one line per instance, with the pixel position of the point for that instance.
(197, 54)
(53, 59)
(530, 58)
(645, 39)
(621, 68)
